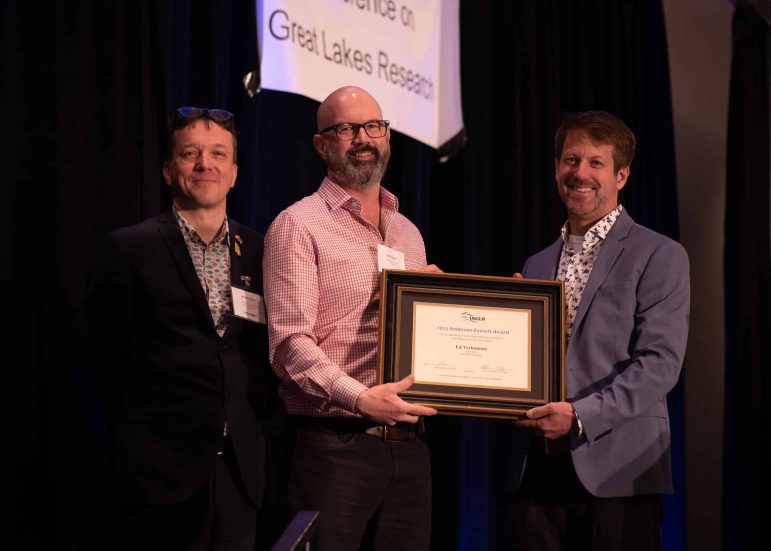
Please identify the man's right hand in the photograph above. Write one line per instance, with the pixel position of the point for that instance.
(383, 404)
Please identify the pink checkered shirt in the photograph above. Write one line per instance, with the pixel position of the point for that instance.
(321, 286)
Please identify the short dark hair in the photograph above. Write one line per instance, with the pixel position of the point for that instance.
(601, 127)
(177, 122)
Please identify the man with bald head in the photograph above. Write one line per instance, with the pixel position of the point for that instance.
(360, 457)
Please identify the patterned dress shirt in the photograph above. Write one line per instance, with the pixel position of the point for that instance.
(576, 263)
(322, 287)
(212, 264)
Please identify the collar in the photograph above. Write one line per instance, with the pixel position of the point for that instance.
(222, 237)
(335, 196)
(599, 231)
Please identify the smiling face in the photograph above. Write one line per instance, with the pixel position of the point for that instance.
(362, 161)
(587, 180)
(202, 168)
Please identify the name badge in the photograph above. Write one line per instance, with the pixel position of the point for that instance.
(249, 306)
(389, 259)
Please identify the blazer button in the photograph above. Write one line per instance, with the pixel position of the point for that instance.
(222, 347)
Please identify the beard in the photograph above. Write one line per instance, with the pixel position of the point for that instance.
(352, 172)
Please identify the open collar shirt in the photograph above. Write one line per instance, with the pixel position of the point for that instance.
(322, 288)
(576, 263)
(212, 265)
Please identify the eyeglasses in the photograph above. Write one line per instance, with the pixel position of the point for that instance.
(346, 131)
(219, 115)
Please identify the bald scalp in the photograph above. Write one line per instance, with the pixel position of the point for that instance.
(343, 101)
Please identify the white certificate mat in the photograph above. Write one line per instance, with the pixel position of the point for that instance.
(472, 346)
(476, 345)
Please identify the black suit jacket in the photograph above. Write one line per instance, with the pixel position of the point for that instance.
(168, 380)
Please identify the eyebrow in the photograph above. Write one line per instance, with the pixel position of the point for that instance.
(594, 156)
(198, 146)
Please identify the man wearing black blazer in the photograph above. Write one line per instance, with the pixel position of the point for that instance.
(177, 341)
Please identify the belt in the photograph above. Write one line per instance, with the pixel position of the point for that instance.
(400, 432)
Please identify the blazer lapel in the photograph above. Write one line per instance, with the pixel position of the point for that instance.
(240, 253)
(172, 235)
(553, 261)
(611, 248)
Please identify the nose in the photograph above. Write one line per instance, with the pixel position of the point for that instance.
(202, 163)
(582, 171)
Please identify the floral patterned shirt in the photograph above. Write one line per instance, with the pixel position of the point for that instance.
(212, 264)
(577, 260)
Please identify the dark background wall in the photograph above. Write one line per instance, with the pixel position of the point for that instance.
(85, 90)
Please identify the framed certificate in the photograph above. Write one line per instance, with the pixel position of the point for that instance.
(478, 345)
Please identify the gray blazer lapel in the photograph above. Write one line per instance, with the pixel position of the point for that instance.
(171, 234)
(611, 249)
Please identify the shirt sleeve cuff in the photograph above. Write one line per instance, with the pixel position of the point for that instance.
(345, 393)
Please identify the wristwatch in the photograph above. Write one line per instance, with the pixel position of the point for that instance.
(580, 424)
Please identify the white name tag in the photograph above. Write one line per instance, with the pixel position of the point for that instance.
(248, 305)
(389, 259)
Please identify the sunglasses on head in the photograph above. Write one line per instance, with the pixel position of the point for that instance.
(219, 115)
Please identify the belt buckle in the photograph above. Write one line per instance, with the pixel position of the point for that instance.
(395, 433)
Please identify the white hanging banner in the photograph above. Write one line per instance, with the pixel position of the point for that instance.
(406, 53)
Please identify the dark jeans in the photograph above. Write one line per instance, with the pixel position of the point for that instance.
(217, 517)
(554, 512)
(371, 494)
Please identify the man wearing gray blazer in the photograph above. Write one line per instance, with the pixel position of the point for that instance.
(594, 467)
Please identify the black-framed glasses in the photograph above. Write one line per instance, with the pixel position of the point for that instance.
(346, 131)
(219, 115)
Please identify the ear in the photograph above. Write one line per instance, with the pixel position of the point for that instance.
(167, 172)
(318, 144)
(235, 175)
(621, 177)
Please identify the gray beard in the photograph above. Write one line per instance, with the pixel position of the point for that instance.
(356, 175)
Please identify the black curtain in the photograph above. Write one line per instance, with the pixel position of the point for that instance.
(747, 428)
(80, 138)
(86, 88)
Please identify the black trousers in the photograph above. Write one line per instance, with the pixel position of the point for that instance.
(219, 516)
(371, 494)
(554, 512)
